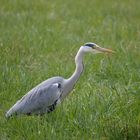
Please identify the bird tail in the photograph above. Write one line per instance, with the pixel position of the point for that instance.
(10, 112)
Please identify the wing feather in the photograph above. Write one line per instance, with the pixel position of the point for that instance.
(37, 100)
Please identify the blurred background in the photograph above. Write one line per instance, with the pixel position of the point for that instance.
(40, 38)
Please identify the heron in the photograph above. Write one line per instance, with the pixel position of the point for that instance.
(46, 96)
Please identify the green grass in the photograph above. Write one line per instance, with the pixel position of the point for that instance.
(39, 39)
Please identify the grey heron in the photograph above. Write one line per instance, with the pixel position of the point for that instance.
(47, 95)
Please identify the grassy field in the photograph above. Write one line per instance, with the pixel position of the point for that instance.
(39, 39)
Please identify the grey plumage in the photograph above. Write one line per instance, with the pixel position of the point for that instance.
(47, 95)
(40, 99)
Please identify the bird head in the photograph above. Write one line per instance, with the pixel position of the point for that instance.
(94, 48)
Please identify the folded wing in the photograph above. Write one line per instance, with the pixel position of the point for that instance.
(39, 100)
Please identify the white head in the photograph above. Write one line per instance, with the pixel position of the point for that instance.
(94, 48)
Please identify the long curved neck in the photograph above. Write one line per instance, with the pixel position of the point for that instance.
(71, 81)
(79, 68)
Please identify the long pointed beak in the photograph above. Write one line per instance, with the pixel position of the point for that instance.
(104, 50)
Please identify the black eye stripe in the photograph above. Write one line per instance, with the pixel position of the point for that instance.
(90, 45)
